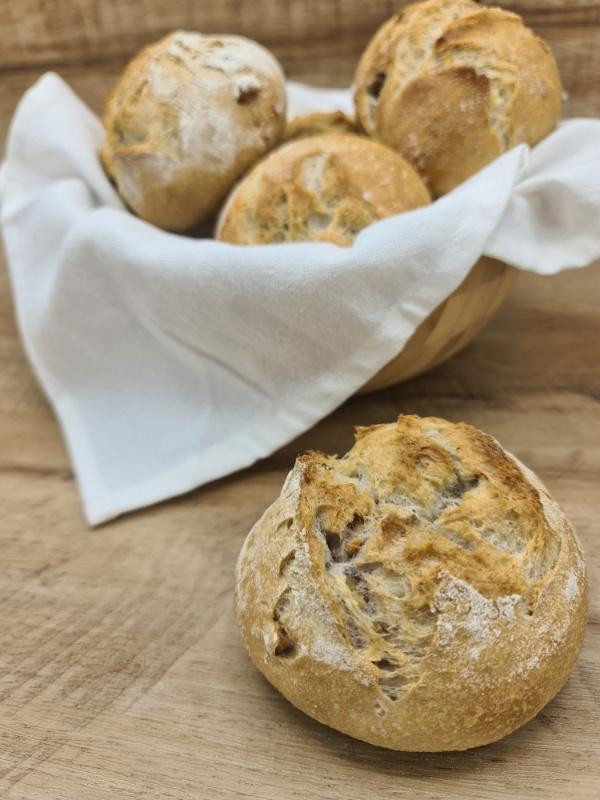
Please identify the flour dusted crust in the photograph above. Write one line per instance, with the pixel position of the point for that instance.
(189, 115)
(451, 85)
(320, 188)
(424, 592)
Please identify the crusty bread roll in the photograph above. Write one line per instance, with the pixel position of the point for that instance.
(424, 592)
(320, 188)
(451, 85)
(188, 116)
(318, 122)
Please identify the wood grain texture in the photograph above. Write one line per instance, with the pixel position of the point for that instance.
(72, 31)
(122, 673)
(316, 40)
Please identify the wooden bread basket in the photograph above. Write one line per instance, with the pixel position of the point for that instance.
(451, 326)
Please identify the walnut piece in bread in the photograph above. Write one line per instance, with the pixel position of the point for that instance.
(322, 189)
(424, 592)
(189, 115)
(451, 85)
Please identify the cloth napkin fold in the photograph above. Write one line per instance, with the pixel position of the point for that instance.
(172, 361)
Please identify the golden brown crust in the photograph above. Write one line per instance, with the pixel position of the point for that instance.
(317, 123)
(424, 592)
(320, 188)
(188, 116)
(452, 85)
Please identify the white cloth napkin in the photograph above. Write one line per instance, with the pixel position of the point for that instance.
(172, 361)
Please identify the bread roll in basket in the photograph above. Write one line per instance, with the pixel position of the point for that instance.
(452, 85)
(327, 186)
(442, 89)
(195, 358)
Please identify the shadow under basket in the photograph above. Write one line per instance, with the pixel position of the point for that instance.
(451, 326)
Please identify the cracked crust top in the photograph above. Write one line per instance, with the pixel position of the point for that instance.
(451, 85)
(424, 592)
(322, 188)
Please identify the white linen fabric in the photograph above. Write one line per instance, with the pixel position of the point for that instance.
(171, 361)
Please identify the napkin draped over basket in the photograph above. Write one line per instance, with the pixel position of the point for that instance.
(172, 361)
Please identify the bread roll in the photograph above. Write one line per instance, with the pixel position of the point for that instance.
(451, 85)
(424, 592)
(321, 189)
(318, 122)
(188, 116)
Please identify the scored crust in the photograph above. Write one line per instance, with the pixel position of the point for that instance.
(424, 592)
(323, 188)
(452, 85)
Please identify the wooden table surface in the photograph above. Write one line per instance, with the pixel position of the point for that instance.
(122, 673)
